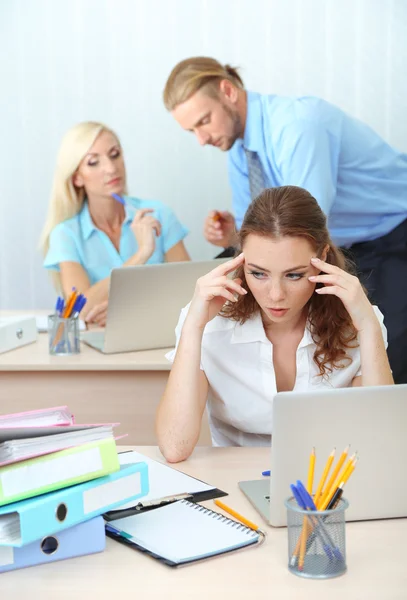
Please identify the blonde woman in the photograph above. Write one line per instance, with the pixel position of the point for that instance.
(88, 232)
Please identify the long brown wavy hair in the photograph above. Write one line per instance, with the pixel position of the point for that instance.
(292, 211)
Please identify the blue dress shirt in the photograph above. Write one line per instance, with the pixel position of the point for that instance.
(79, 240)
(359, 181)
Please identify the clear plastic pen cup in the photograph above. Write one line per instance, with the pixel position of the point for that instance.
(316, 540)
(63, 336)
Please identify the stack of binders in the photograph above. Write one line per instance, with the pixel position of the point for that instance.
(56, 480)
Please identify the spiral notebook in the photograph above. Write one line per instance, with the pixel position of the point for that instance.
(182, 532)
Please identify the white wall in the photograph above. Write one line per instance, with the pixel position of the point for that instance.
(62, 61)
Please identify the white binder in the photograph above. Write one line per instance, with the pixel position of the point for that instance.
(16, 332)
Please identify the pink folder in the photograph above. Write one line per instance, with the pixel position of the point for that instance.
(48, 417)
(16, 433)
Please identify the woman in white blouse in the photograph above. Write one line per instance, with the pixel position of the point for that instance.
(292, 318)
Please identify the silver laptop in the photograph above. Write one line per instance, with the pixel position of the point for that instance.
(372, 419)
(145, 303)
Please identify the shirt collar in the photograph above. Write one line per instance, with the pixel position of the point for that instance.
(129, 213)
(306, 338)
(88, 226)
(253, 131)
(252, 330)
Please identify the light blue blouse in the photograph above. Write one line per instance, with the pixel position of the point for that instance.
(79, 240)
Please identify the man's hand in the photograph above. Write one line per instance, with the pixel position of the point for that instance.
(219, 228)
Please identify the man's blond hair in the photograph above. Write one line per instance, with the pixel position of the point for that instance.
(193, 74)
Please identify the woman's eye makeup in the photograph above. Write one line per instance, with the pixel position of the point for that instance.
(290, 276)
(113, 154)
(257, 274)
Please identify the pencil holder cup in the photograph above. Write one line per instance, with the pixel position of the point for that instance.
(316, 541)
(63, 336)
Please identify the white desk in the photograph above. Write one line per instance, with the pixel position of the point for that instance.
(97, 387)
(375, 557)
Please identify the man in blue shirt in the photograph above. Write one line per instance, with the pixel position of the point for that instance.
(357, 178)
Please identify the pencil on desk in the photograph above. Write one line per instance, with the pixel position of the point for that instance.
(237, 516)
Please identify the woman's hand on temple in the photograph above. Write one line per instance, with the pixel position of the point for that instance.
(212, 291)
(348, 288)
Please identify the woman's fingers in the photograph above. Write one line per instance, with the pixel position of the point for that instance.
(151, 223)
(333, 290)
(330, 280)
(214, 292)
(232, 284)
(228, 266)
(96, 312)
(140, 214)
(331, 269)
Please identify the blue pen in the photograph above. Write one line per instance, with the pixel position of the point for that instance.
(301, 503)
(266, 473)
(59, 306)
(310, 505)
(77, 303)
(79, 307)
(119, 199)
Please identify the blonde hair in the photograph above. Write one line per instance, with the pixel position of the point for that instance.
(66, 199)
(192, 74)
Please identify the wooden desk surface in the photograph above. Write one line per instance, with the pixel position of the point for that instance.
(35, 357)
(375, 557)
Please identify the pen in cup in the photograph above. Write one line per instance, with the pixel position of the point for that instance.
(310, 506)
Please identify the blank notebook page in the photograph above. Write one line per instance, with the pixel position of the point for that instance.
(183, 531)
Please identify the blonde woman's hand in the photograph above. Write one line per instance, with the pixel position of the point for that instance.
(212, 291)
(348, 288)
(97, 315)
(145, 228)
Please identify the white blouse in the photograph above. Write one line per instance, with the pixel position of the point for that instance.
(238, 363)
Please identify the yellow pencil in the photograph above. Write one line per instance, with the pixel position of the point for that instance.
(324, 475)
(349, 471)
(237, 516)
(333, 477)
(304, 531)
(325, 500)
(311, 470)
(339, 490)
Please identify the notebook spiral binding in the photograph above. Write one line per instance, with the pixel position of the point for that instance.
(219, 517)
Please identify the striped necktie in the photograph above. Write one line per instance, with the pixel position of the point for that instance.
(257, 179)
